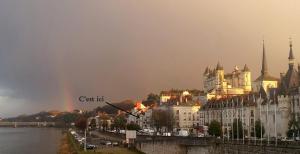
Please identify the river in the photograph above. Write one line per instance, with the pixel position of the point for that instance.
(29, 140)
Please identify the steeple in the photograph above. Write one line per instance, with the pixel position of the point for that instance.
(219, 67)
(291, 56)
(264, 67)
(246, 68)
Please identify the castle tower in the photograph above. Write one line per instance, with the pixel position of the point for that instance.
(246, 79)
(219, 76)
(290, 80)
(206, 82)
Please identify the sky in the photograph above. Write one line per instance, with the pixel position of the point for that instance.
(52, 52)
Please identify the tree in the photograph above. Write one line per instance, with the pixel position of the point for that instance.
(214, 128)
(259, 128)
(120, 122)
(103, 117)
(237, 132)
(153, 97)
(163, 118)
(81, 123)
(133, 126)
(93, 123)
(293, 128)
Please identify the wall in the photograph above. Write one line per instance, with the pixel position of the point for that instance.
(171, 147)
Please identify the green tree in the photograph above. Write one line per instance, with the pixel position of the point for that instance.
(120, 122)
(214, 128)
(293, 128)
(259, 128)
(237, 132)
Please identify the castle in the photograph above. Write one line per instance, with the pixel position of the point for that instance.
(217, 84)
(272, 102)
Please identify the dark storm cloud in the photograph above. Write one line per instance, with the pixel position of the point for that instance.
(127, 49)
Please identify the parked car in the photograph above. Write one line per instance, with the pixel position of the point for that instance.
(287, 139)
(115, 143)
(183, 133)
(200, 135)
(106, 142)
(91, 146)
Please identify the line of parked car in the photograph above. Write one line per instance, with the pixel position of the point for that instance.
(81, 140)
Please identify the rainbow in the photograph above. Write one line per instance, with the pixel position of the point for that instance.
(68, 104)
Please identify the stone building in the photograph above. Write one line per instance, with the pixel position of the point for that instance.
(227, 110)
(186, 116)
(217, 84)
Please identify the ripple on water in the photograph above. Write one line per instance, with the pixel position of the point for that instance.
(29, 140)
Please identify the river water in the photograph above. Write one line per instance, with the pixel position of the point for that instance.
(29, 140)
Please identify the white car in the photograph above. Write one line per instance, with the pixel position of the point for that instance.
(115, 143)
(200, 135)
(107, 143)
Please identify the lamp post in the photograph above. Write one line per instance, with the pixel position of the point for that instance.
(85, 139)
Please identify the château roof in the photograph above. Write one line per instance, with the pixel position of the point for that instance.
(266, 77)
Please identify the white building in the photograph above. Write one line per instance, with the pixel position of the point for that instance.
(141, 115)
(186, 116)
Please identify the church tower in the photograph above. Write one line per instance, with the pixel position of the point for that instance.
(290, 81)
(291, 56)
(265, 79)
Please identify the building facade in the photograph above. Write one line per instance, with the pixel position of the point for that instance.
(217, 84)
(186, 116)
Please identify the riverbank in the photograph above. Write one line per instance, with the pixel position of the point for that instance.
(70, 146)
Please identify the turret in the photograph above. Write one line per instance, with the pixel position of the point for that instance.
(246, 79)
(291, 56)
(219, 75)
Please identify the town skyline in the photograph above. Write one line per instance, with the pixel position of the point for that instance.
(51, 53)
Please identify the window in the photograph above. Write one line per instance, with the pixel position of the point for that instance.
(252, 113)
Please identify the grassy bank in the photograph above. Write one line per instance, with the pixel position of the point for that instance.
(70, 146)
(65, 146)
